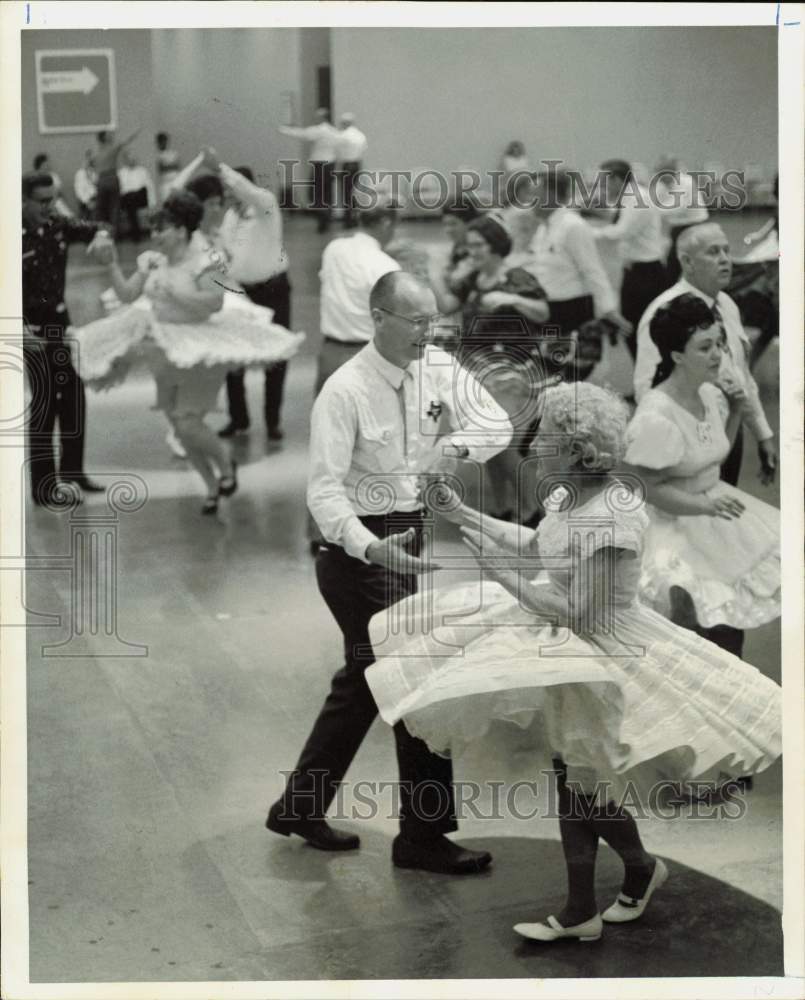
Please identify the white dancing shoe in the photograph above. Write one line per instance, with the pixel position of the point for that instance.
(175, 444)
(626, 908)
(590, 930)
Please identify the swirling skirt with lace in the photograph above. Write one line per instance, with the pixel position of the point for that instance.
(237, 336)
(457, 665)
(730, 569)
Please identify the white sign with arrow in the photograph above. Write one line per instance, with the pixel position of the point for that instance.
(84, 81)
(76, 90)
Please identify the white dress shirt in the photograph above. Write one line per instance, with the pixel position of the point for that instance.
(352, 144)
(567, 264)
(252, 233)
(350, 266)
(376, 427)
(734, 363)
(638, 230)
(324, 139)
(84, 185)
(135, 179)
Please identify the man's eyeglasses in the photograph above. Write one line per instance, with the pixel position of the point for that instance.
(417, 322)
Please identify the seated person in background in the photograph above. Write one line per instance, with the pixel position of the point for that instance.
(42, 166)
(136, 191)
(85, 186)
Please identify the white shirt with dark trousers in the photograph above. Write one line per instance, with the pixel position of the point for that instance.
(375, 428)
(567, 263)
(352, 144)
(639, 235)
(375, 423)
(251, 235)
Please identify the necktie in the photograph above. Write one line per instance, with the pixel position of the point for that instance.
(722, 328)
(401, 397)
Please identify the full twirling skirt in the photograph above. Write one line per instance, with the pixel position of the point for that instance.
(670, 706)
(239, 335)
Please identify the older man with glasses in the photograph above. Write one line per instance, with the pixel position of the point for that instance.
(383, 420)
(57, 392)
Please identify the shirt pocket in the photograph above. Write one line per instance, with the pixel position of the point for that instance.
(380, 447)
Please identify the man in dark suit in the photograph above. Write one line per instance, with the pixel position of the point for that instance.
(57, 392)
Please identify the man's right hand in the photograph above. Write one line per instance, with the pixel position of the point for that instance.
(390, 552)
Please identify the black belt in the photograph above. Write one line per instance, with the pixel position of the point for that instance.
(345, 343)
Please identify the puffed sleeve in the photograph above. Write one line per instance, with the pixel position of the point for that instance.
(653, 441)
(622, 528)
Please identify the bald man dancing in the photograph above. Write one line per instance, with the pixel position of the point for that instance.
(378, 421)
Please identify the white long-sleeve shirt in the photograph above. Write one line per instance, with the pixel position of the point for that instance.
(350, 266)
(376, 427)
(638, 230)
(323, 138)
(252, 233)
(734, 363)
(566, 261)
(352, 144)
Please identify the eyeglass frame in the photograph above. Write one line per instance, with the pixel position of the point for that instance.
(422, 324)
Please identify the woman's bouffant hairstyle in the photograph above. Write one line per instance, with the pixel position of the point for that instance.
(494, 232)
(673, 325)
(181, 209)
(593, 418)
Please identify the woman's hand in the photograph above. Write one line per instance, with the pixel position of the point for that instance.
(103, 248)
(726, 507)
(490, 301)
(735, 393)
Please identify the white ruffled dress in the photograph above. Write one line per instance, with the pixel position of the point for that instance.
(730, 569)
(241, 334)
(670, 705)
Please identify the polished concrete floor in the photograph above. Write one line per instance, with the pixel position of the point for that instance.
(158, 730)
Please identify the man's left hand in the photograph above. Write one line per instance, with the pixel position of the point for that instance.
(767, 452)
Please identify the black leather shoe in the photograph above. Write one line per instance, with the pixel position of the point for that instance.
(84, 484)
(317, 832)
(440, 855)
(232, 429)
(275, 433)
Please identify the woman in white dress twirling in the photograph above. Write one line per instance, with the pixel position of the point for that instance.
(712, 560)
(611, 694)
(178, 324)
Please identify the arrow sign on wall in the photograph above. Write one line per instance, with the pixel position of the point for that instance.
(82, 81)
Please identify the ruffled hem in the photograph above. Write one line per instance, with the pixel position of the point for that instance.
(753, 600)
(232, 338)
(608, 734)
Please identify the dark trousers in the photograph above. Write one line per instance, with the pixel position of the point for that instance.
(354, 591)
(567, 316)
(349, 170)
(131, 203)
(642, 283)
(323, 171)
(57, 395)
(107, 205)
(275, 294)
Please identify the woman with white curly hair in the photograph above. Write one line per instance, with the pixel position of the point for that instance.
(554, 639)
